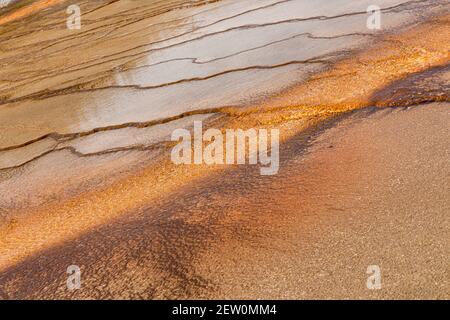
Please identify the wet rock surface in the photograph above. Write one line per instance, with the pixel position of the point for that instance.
(85, 171)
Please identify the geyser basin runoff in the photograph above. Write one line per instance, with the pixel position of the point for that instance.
(86, 118)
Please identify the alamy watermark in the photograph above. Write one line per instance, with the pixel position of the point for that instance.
(374, 19)
(214, 147)
(374, 280)
(4, 3)
(74, 280)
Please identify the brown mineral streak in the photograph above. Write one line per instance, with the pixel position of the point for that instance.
(28, 10)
